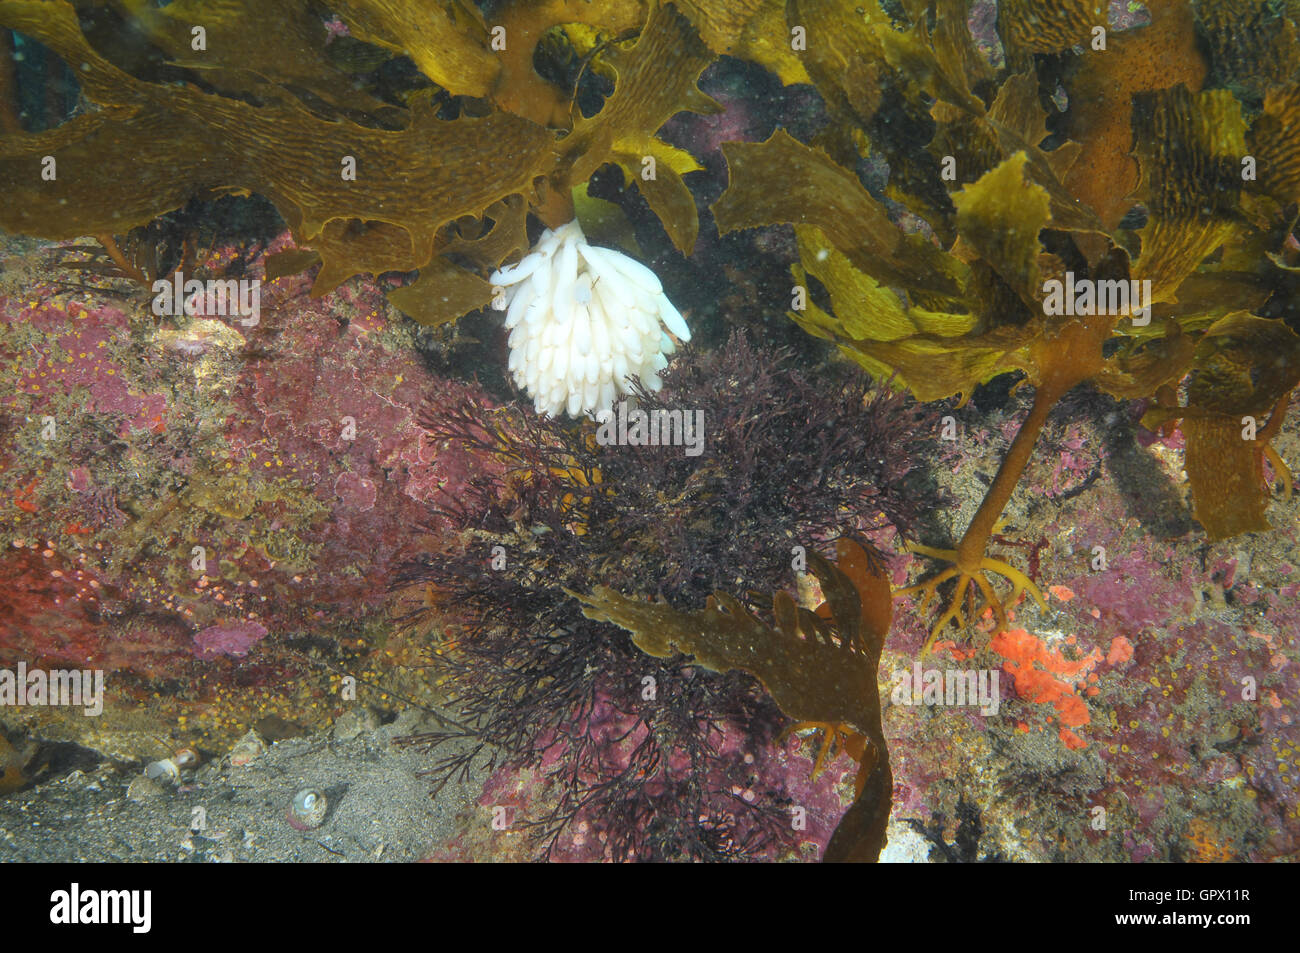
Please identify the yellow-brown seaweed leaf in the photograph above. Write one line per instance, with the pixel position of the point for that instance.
(656, 80)
(291, 261)
(1000, 217)
(664, 190)
(519, 89)
(153, 147)
(954, 44)
(940, 71)
(418, 178)
(783, 181)
(1253, 45)
(97, 190)
(1226, 476)
(1134, 373)
(1189, 147)
(870, 316)
(487, 242)
(936, 366)
(810, 679)
(348, 247)
(1160, 55)
(1047, 26)
(1246, 369)
(447, 40)
(55, 23)
(864, 307)
(844, 56)
(936, 353)
(285, 49)
(752, 30)
(443, 292)
(1275, 144)
(1019, 123)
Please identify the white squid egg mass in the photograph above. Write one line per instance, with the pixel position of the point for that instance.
(582, 321)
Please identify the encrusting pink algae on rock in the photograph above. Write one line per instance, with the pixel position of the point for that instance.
(289, 453)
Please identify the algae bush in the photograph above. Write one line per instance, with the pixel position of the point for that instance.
(620, 384)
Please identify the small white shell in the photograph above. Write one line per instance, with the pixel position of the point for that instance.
(307, 810)
(164, 770)
(247, 749)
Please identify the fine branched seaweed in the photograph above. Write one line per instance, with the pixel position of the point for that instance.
(786, 463)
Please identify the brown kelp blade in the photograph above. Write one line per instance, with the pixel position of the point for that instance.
(820, 668)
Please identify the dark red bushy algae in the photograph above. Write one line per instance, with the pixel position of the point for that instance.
(534, 683)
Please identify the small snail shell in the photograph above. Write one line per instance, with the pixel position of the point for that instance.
(186, 758)
(164, 770)
(307, 810)
(248, 749)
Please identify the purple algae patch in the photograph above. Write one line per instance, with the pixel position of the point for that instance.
(233, 638)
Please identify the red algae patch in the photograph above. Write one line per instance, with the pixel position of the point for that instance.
(1064, 593)
(1044, 676)
(1121, 650)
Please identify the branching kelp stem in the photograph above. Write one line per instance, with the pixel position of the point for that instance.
(1062, 362)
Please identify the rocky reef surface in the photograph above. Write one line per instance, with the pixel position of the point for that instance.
(1148, 715)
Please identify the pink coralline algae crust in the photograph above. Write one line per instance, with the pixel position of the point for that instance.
(1138, 590)
(1193, 713)
(301, 470)
(342, 404)
(1191, 730)
(1161, 687)
(83, 336)
(355, 493)
(1075, 462)
(233, 638)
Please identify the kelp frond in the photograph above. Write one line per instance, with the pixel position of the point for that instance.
(819, 665)
(437, 177)
(1136, 174)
